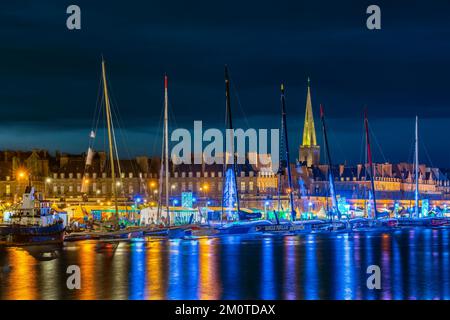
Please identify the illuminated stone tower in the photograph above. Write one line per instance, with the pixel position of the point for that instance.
(309, 150)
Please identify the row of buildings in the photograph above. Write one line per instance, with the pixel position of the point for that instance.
(65, 178)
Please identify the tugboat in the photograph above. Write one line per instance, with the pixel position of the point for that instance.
(34, 223)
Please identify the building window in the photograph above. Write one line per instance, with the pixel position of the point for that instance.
(70, 188)
(219, 174)
(242, 174)
(78, 175)
(213, 174)
(130, 189)
(94, 175)
(55, 176)
(8, 189)
(190, 186)
(206, 174)
(94, 187)
(183, 186)
(55, 189)
(78, 188)
(62, 175)
(122, 175)
(250, 185)
(198, 174)
(104, 188)
(62, 190)
(7, 178)
(252, 174)
(242, 185)
(183, 174)
(130, 175)
(70, 175)
(175, 174)
(190, 174)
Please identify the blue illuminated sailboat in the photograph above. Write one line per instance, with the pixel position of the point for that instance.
(239, 221)
(230, 193)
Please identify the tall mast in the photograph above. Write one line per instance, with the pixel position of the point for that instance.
(416, 193)
(110, 141)
(284, 124)
(166, 143)
(229, 125)
(369, 157)
(330, 166)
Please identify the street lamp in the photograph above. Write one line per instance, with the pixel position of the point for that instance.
(21, 174)
(47, 181)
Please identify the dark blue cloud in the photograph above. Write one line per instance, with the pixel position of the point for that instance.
(49, 75)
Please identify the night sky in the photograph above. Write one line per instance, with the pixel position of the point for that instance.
(49, 75)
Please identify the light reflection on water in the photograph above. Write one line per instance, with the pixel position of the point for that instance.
(414, 265)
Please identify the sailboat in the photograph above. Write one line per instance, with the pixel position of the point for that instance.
(165, 218)
(416, 218)
(113, 230)
(377, 218)
(334, 215)
(291, 226)
(239, 220)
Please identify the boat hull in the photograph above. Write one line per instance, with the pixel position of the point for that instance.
(32, 235)
(424, 222)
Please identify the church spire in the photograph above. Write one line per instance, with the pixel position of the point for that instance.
(309, 131)
(309, 150)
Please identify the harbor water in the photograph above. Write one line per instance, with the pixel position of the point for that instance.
(414, 264)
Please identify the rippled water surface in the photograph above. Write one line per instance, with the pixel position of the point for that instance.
(414, 264)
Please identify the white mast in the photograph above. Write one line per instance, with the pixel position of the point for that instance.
(416, 193)
(110, 140)
(166, 145)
